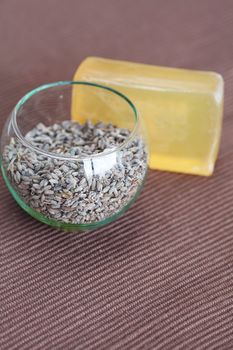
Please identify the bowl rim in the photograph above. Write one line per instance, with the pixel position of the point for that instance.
(54, 155)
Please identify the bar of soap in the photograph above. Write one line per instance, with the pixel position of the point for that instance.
(181, 110)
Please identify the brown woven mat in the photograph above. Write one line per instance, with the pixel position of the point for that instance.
(161, 277)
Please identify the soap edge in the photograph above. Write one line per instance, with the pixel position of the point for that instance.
(217, 75)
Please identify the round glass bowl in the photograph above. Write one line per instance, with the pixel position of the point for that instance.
(74, 155)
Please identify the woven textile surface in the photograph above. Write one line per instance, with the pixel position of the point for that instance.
(160, 277)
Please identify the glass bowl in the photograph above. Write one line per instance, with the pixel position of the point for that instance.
(95, 168)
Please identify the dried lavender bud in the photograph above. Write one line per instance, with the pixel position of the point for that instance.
(76, 191)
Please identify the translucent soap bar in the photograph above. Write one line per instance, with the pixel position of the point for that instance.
(181, 109)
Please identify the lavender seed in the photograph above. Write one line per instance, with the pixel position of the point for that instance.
(68, 191)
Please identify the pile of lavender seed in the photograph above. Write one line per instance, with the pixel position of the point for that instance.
(73, 191)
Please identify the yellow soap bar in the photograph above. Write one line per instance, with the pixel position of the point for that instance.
(181, 110)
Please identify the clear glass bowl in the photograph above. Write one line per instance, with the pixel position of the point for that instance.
(63, 189)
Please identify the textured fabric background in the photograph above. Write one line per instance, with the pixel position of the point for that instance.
(161, 277)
